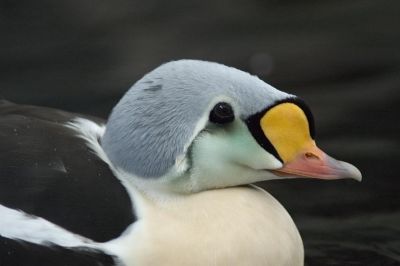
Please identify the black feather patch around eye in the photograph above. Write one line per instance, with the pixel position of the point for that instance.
(222, 113)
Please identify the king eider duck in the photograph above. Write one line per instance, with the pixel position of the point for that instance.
(168, 180)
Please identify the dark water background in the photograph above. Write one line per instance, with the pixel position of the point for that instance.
(341, 56)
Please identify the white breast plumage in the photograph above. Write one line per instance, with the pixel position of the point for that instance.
(232, 226)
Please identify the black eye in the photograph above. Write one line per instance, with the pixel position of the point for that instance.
(222, 113)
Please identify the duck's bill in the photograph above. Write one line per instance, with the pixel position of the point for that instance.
(314, 163)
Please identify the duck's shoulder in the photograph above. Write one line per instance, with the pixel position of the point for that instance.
(48, 170)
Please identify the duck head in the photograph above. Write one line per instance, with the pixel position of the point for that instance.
(191, 125)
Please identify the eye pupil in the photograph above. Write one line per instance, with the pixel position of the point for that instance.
(222, 113)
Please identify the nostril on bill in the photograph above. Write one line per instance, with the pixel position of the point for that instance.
(311, 156)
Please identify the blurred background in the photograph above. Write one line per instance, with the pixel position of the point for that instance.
(342, 57)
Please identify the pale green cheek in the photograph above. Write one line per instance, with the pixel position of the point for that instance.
(230, 157)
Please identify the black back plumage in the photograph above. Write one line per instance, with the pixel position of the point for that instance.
(47, 171)
(22, 253)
